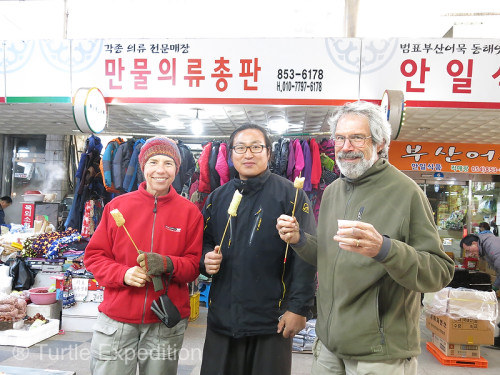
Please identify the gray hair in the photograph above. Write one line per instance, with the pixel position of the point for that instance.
(380, 128)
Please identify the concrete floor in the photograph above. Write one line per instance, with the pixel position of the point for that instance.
(71, 352)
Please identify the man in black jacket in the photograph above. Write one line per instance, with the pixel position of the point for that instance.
(5, 202)
(260, 293)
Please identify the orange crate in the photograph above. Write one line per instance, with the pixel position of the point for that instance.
(456, 361)
(194, 302)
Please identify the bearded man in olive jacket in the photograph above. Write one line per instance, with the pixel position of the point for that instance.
(377, 249)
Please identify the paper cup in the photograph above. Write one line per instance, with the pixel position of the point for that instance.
(346, 223)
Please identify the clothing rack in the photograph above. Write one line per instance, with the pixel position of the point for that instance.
(296, 135)
(202, 139)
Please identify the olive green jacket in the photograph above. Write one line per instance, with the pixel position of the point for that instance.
(369, 308)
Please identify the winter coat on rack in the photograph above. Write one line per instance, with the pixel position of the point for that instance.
(89, 182)
(204, 169)
(316, 164)
(120, 163)
(133, 176)
(221, 166)
(187, 168)
(299, 160)
(307, 166)
(291, 161)
(212, 161)
(281, 158)
(106, 164)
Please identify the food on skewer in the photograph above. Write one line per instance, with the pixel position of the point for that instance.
(235, 202)
(232, 210)
(298, 183)
(117, 215)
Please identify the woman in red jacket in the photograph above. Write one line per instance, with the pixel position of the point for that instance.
(168, 229)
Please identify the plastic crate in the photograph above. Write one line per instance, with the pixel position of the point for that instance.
(456, 361)
(194, 302)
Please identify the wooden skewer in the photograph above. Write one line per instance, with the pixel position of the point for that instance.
(129, 236)
(222, 240)
(293, 215)
(287, 246)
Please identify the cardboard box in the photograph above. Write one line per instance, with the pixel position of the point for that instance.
(456, 350)
(461, 331)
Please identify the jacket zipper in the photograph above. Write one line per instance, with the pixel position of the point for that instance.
(256, 225)
(150, 250)
(330, 316)
(379, 322)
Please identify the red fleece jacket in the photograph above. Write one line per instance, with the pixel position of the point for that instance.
(176, 230)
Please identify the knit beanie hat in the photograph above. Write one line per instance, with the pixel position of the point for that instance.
(159, 146)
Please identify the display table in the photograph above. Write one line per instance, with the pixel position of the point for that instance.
(32, 371)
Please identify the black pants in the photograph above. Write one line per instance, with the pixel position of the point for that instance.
(252, 355)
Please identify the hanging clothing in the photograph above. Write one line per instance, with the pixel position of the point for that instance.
(327, 147)
(133, 175)
(316, 163)
(205, 169)
(121, 162)
(282, 159)
(89, 182)
(221, 166)
(212, 161)
(307, 166)
(299, 160)
(106, 164)
(291, 161)
(87, 225)
(187, 168)
(274, 159)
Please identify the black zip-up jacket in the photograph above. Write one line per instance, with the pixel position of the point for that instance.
(246, 292)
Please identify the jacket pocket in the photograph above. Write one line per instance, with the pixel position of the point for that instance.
(316, 349)
(104, 344)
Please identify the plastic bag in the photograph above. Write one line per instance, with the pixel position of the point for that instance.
(487, 206)
(22, 276)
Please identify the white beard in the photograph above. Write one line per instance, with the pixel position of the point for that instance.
(355, 170)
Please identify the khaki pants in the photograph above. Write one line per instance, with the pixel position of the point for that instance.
(118, 348)
(327, 363)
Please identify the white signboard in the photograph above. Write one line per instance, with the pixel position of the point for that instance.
(276, 71)
(433, 72)
(252, 71)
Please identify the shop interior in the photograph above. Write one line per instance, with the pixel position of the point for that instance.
(460, 201)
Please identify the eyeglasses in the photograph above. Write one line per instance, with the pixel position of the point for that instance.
(254, 149)
(355, 140)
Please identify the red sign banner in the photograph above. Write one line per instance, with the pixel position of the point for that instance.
(28, 214)
(445, 157)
